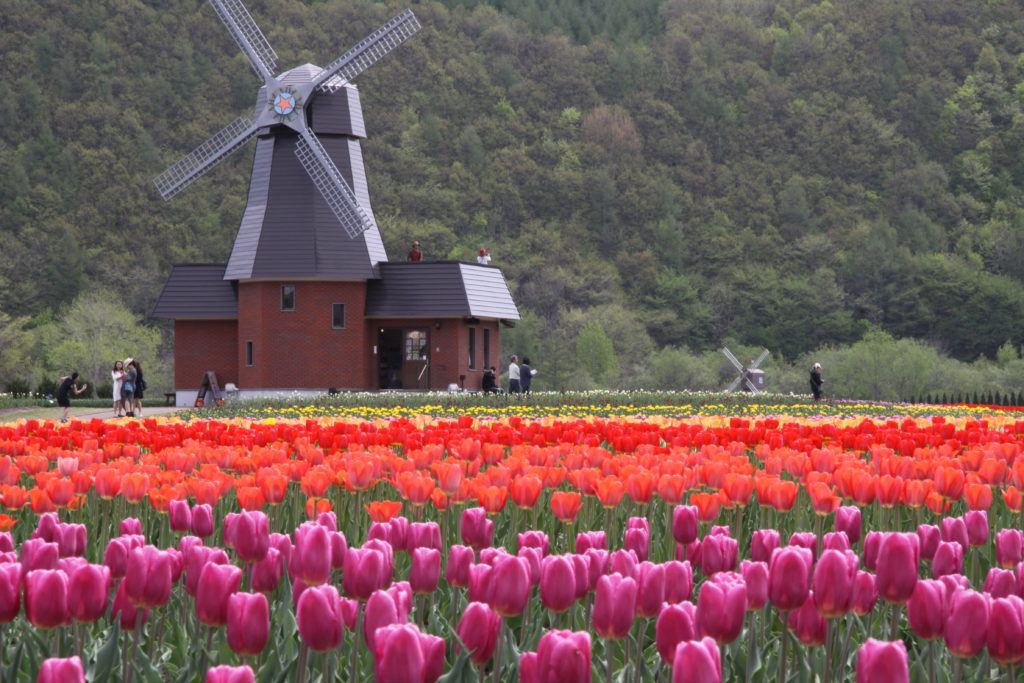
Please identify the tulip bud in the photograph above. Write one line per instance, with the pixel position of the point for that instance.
(425, 571)
(848, 520)
(967, 623)
(678, 581)
(1000, 583)
(478, 630)
(557, 583)
(581, 572)
(639, 541)
(650, 593)
(675, 624)
(71, 540)
(46, 598)
(1009, 547)
(789, 577)
(896, 573)
(267, 573)
(509, 586)
(149, 577)
(248, 623)
(954, 530)
(216, 584)
(56, 670)
(230, 674)
(685, 523)
(533, 558)
(399, 538)
(89, 592)
(697, 661)
(718, 553)
(808, 624)
(402, 654)
(310, 560)
(533, 539)
(834, 576)
(721, 607)
(424, 535)
(836, 540)
(197, 557)
(865, 594)
(364, 573)
(882, 662)
(614, 606)
(38, 554)
(926, 609)
(624, 562)
(10, 591)
(872, 542)
(976, 522)
(805, 539)
(1006, 630)
(929, 536)
(202, 520)
(251, 532)
(319, 617)
(477, 531)
(382, 609)
(591, 539)
(564, 656)
(130, 526)
(763, 543)
(179, 516)
(949, 559)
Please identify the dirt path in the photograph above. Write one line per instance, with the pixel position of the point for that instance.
(41, 413)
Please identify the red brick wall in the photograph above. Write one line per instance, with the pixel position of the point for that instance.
(201, 345)
(300, 349)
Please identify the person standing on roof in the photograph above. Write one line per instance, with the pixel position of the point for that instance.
(483, 257)
(416, 254)
(513, 376)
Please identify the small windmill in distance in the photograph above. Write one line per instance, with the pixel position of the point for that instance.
(751, 379)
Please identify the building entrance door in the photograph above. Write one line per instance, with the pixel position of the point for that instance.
(402, 358)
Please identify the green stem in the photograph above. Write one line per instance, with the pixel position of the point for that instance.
(357, 637)
(827, 668)
(894, 622)
(785, 648)
(300, 670)
(751, 642)
(608, 661)
(931, 661)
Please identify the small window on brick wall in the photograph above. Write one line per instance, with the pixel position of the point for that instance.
(338, 316)
(472, 348)
(288, 297)
(248, 354)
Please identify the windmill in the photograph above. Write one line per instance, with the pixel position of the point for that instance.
(751, 378)
(283, 103)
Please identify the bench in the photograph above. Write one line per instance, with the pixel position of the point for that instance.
(169, 398)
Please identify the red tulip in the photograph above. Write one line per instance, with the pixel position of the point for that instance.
(848, 520)
(967, 623)
(808, 624)
(926, 609)
(202, 520)
(614, 606)
(46, 598)
(230, 674)
(476, 529)
(948, 559)
(179, 516)
(149, 577)
(697, 661)
(310, 560)
(10, 591)
(763, 543)
(755, 576)
(1009, 543)
(721, 606)
(882, 662)
(675, 624)
(685, 523)
(896, 573)
(678, 581)
(563, 657)
(248, 623)
(865, 594)
(789, 577)
(834, 576)
(478, 630)
(460, 557)
(89, 592)
(56, 670)
(1005, 637)
(319, 617)
(216, 584)
(509, 586)
(425, 571)
(365, 572)
(557, 583)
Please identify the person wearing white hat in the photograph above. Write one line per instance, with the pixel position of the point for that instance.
(816, 381)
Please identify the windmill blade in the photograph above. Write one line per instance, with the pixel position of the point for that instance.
(369, 51)
(732, 359)
(329, 181)
(760, 359)
(751, 385)
(204, 157)
(247, 34)
(735, 384)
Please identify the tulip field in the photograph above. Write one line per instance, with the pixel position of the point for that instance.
(564, 548)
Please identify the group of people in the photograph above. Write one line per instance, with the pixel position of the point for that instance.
(520, 377)
(129, 388)
(483, 257)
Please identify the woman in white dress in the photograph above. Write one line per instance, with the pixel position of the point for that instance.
(117, 376)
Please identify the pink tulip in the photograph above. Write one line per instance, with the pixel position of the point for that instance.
(721, 607)
(403, 654)
(533, 558)
(115, 557)
(46, 527)
(872, 542)
(248, 623)
(479, 584)
(38, 554)
(339, 548)
(71, 540)
(6, 542)
(805, 539)
(425, 571)
(808, 624)
(614, 606)
(763, 543)
(130, 526)
(563, 656)
(953, 583)
(319, 617)
(581, 572)
(865, 594)
(216, 584)
(685, 523)
(509, 586)
(329, 520)
(1005, 636)
(930, 536)
(675, 624)
(46, 598)
(697, 661)
(125, 611)
(834, 576)
(310, 560)
(967, 623)
(789, 577)
(281, 542)
(365, 571)
(149, 577)
(478, 630)
(1009, 548)
(954, 530)
(202, 520)
(639, 541)
(89, 592)
(624, 562)
(591, 539)
(718, 553)
(460, 557)
(10, 591)
(230, 674)
(678, 581)
(836, 540)
(56, 670)
(976, 522)
(755, 576)
(267, 573)
(926, 609)
(896, 572)
(382, 609)
(848, 520)
(251, 535)
(557, 583)
(1000, 583)
(598, 562)
(197, 557)
(650, 589)
(399, 533)
(477, 531)
(179, 516)
(533, 539)
(491, 555)
(949, 559)
(882, 662)
(424, 535)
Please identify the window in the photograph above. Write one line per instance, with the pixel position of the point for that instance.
(416, 345)
(248, 354)
(472, 348)
(288, 297)
(487, 349)
(338, 316)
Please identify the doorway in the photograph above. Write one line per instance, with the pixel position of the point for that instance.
(402, 358)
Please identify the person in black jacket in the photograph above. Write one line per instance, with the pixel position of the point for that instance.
(65, 390)
(526, 374)
(489, 384)
(816, 381)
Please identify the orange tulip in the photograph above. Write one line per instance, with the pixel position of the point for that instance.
(781, 494)
(525, 491)
(440, 500)
(888, 490)
(937, 503)
(610, 491)
(1011, 496)
(915, 492)
(708, 505)
(7, 522)
(492, 498)
(273, 486)
(108, 483)
(60, 491)
(40, 502)
(359, 474)
(134, 486)
(449, 475)
(737, 488)
(671, 488)
(250, 498)
(316, 506)
(640, 487)
(416, 488)
(824, 501)
(566, 505)
(978, 496)
(949, 482)
(315, 482)
(383, 510)
(15, 497)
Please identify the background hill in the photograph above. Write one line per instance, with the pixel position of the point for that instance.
(791, 174)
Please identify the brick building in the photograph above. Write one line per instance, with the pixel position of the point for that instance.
(302, 307)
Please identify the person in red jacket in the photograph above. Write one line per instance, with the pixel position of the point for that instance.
(416, 254)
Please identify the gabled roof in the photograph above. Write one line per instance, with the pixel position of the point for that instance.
(197, 292)
(439, 289)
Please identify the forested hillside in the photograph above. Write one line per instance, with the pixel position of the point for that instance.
(786, 174)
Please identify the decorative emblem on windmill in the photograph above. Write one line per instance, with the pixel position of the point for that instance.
(283, 101)
(749, 379)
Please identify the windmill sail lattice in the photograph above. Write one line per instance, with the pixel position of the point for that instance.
(332, 186)
(370, 50)
(204, 157)
(248, 35)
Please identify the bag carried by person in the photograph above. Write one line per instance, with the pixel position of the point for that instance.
(127, 387)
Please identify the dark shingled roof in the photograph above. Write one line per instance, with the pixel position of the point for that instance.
(197, 291)
(439, 289)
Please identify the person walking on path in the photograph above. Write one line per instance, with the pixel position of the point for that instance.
(816, 381)
(140, 389)
(128, 386)
(65, 390)
(117, 376)
(526, 374)
(513, 376)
